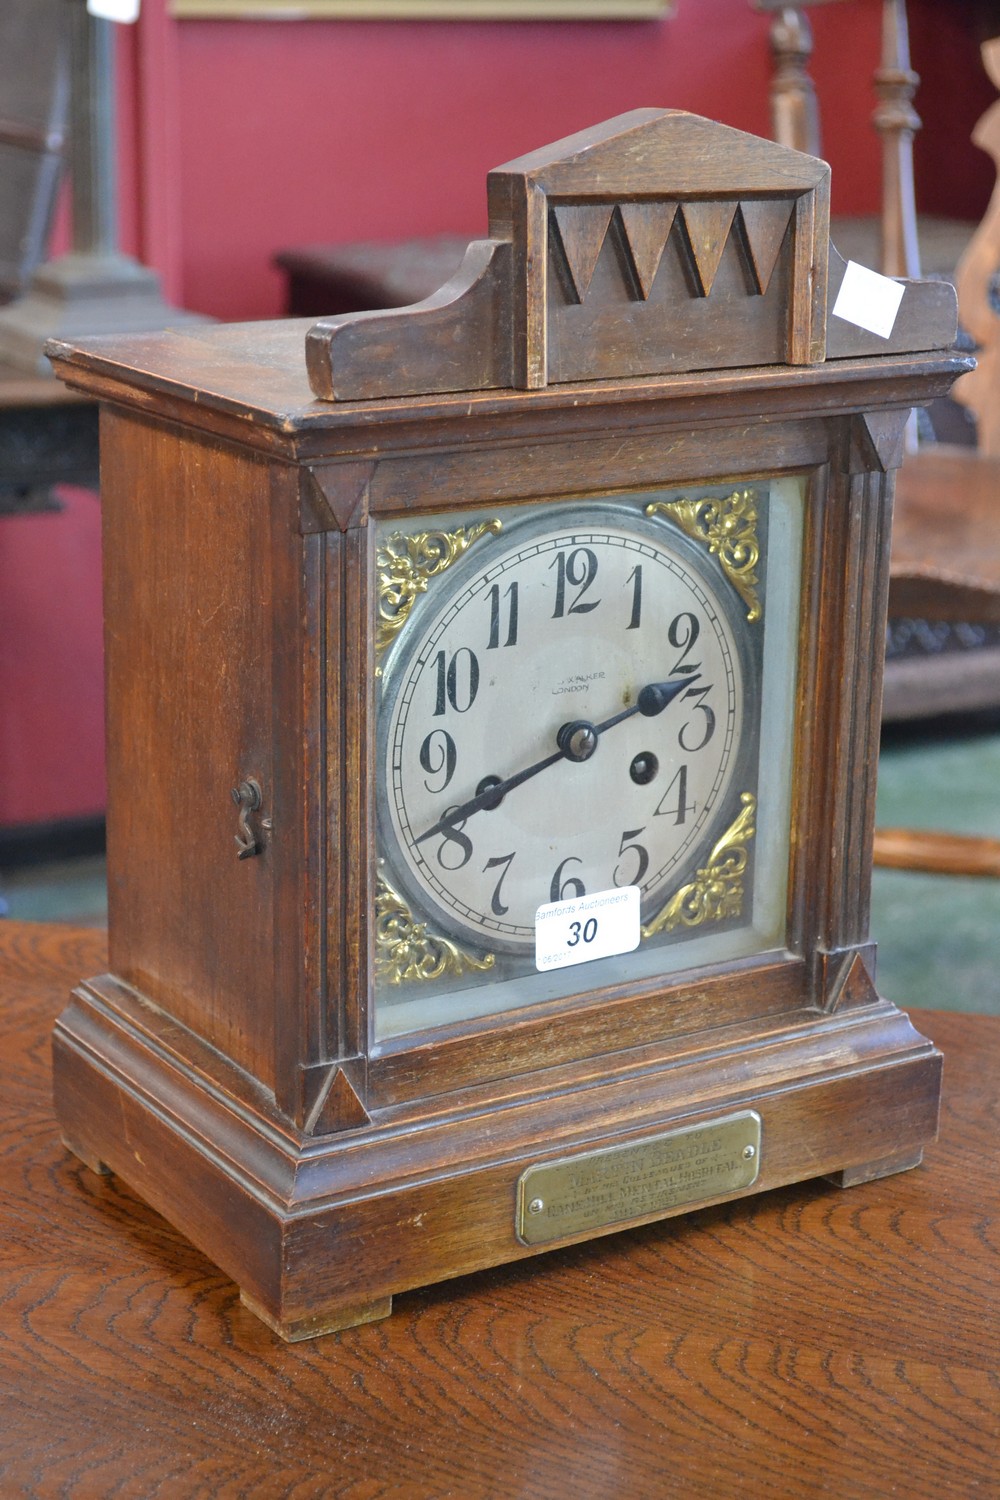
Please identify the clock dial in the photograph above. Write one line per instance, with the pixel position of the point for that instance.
(564, 715)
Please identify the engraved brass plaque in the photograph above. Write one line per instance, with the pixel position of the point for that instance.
(620, 1184)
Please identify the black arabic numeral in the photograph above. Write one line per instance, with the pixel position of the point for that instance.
(579, 569)
(680, 807)
(510, 595)
(683, 630)
(501, 860)
(437, 754)
(560, 890)
(452, 834)
(450, 686)
(698, 693)
(635, 579)
(623, 848)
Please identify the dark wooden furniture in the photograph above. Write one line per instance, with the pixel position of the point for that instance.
(804, 1343)
(946, 546)
(647, 323)
(324, 279)
(946, 568)
(48, 436)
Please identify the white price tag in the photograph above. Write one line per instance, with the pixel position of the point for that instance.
(868, 300)
(114, 10)
(586, 927)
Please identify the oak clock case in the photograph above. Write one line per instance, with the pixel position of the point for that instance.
(574, 698)
(555, 600)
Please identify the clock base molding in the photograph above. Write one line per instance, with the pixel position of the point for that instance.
(319, 1233)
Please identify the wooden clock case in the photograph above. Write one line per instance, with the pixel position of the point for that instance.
(650, 309)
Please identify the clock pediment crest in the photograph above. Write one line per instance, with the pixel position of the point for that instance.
(658, 243)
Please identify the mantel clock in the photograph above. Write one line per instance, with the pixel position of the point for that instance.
(493, 702)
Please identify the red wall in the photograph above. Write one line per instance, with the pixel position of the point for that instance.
(255, 136)
(51, 716)
(299, 132)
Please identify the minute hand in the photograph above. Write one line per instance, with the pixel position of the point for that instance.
(651, 701)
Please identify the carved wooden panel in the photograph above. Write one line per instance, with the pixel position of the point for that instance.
(663, 191)
(640, 283)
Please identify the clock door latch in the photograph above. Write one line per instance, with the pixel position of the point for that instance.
(248, 797)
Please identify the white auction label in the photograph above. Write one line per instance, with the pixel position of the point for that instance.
(114, 10)
(868, 300)
(586, 927)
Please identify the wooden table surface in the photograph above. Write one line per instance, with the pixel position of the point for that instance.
(807, 1342)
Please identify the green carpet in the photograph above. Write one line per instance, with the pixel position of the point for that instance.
(939, 935)
(70, 890)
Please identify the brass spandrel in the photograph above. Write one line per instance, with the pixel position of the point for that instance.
(643, 1180)
(728, 527)
(717, 890)
(406, 950)
(406, 563)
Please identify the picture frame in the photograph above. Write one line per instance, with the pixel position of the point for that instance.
(423, 10)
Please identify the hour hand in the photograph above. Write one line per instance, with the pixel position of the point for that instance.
(652, 700)
(656, 695)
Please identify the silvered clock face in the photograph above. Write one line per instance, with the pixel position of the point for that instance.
(564, 715)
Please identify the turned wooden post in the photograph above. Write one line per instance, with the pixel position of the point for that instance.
(794, 110)
(897, 122)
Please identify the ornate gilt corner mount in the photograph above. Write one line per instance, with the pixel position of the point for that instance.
(404, 565)
(729, 527)
(716, 892)
(404, 949)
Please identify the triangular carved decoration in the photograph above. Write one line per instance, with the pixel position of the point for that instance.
(878, 440)
(765, 221)
(583, 228)
(337, 494)
(856, 987)
(647, 228)
(708, 226)
(332, 1103)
